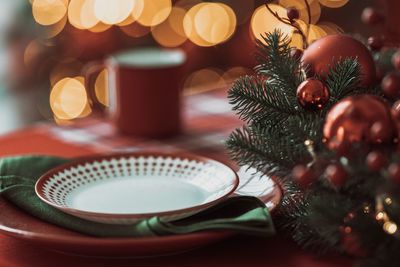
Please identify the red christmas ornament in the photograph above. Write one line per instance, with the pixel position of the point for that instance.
(336, 174)
(370, 16)
(396, 60)
(375, 43)
(292, 13)
(327, 51)
(303, 175)
(376, 160)
(394, 172)
(312, 94)
(355, 118)
(378, 132)
(391, 85)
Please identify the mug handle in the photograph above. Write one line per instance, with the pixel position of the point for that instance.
(90, 71)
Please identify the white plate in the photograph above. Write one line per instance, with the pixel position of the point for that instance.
(126, 188)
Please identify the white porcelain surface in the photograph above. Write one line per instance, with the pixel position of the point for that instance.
(126, 189)
(131, 195)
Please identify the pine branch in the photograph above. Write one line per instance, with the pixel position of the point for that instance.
(247, 149)
(276, 63)
(273, 150)
(343, 78)
(254, 99)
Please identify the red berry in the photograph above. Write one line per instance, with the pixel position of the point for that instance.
(375, 43)
(303, 175)
(376, 160)
(394, 172)
(292, 13)
(379, 132)
(370, 16)
(391, 85)
(336, 174)
(396, 60)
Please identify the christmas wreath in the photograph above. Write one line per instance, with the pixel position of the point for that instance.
(323, 124)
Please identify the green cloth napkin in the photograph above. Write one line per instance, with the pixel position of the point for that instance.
(18, 175)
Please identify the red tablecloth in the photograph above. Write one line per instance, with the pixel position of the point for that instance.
(208, 121)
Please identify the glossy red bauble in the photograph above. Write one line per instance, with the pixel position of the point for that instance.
(361, 118)
(312, 94)
(391, 85)
(376, 160)
(336, 175)
(371, 16)
(327, 51)
(303, 175)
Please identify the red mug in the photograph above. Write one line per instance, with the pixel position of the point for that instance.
(145, 90)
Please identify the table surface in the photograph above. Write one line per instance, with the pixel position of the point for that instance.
(208, 121)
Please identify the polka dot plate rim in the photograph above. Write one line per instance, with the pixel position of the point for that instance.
(214, 179)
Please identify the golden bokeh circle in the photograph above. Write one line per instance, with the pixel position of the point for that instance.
(153, 12)
(113, 12)
(333, 3)
(53, 30)
(203, 80)
(101, 88)
(170, 33)
(74, 13)
(263, 21)
(189, 26)
(315, 9)
(68, 98)
(48, 12)
(100, 27)
(215, 22)
(88, 18)
(315, 32)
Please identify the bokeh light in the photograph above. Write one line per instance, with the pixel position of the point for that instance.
(189, 26)
(54, 29)
(234, 73)
(101, 88)
(170, 33)
(113, 12)
(215, 22)
(74, 13)
(48, 12)
(315, 9)
(100, 27)
(263, 21)
(153, 12)
(68, 98)
(315, 32)
(333, 3)
(203, 80)
(88, 18)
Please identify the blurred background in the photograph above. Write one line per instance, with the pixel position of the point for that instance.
(45, 44)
